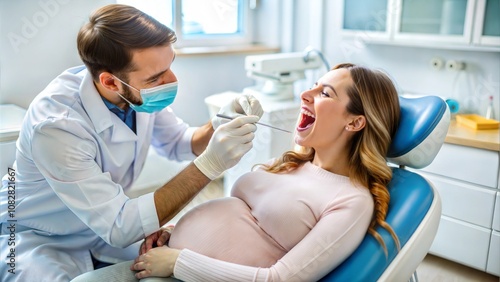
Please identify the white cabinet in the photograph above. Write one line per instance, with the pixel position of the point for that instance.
(496, 214)
(432, 23)
(473, 165)
(493, 266)
(467, 181)
(487, 23)
(443, 21)
(465, 201)
(372, 20)
(462, 242)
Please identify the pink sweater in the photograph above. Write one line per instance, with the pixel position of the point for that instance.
(274, 227)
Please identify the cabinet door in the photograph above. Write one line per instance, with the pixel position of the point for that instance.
(463, 201)
(487, 24)
(366, 18)
(473, 165)
(439, 21)
(496, 214)
(493, 265)
(461, 242)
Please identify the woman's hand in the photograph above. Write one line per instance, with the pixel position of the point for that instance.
(158, 262)
(157, 239)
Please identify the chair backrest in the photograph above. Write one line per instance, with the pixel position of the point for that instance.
(415, 207)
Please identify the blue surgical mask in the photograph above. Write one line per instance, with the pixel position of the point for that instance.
(154, 99)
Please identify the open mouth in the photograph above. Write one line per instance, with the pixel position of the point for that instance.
(307, 119)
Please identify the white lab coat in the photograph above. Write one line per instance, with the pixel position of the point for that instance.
(74, 160)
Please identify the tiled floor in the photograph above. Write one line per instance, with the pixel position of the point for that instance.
(432, 269)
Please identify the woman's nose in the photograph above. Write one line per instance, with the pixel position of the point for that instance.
(307, 95)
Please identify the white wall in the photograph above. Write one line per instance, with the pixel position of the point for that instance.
(38, 41)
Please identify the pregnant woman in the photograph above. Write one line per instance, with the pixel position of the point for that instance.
(299, 216)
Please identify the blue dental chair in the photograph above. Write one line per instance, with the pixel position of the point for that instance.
(415, 206)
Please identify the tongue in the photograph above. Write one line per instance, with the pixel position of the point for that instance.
(306, 120)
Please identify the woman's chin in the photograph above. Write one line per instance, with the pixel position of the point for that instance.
(300, 138)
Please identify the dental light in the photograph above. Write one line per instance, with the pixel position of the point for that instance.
(279, 72)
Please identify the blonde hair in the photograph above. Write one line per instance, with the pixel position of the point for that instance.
(373, 95)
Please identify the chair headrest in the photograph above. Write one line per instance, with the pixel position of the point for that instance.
(423, 126)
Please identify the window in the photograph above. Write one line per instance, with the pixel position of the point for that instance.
(202, 23)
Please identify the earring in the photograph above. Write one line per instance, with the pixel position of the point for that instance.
(347, 128)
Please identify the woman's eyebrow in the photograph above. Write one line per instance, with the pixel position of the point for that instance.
(331, 87)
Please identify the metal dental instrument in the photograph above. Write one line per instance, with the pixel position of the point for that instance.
(270, 126)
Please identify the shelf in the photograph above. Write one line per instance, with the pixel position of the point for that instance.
(444, 46)
(225, 50)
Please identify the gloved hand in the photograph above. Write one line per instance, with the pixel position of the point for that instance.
(244, 104)
(229, 143)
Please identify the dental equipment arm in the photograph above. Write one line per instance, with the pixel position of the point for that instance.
(279, 72)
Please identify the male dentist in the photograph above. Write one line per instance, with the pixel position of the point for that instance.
(84, 141)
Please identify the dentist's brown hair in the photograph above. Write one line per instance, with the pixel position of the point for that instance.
(106, 42)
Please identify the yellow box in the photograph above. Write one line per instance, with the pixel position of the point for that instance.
(477, 122)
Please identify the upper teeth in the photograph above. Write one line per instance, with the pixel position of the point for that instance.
(307, 113)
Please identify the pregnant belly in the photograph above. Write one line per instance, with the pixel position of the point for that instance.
(225, 229)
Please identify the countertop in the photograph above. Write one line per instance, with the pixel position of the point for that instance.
(483, 139)
(11, 118)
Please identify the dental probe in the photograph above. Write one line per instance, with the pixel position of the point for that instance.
(270, 126)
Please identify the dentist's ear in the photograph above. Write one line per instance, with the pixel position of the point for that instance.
(357, 123)
(108, 81)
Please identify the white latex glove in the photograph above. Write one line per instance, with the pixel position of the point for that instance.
(229, 143)
(243, 104)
